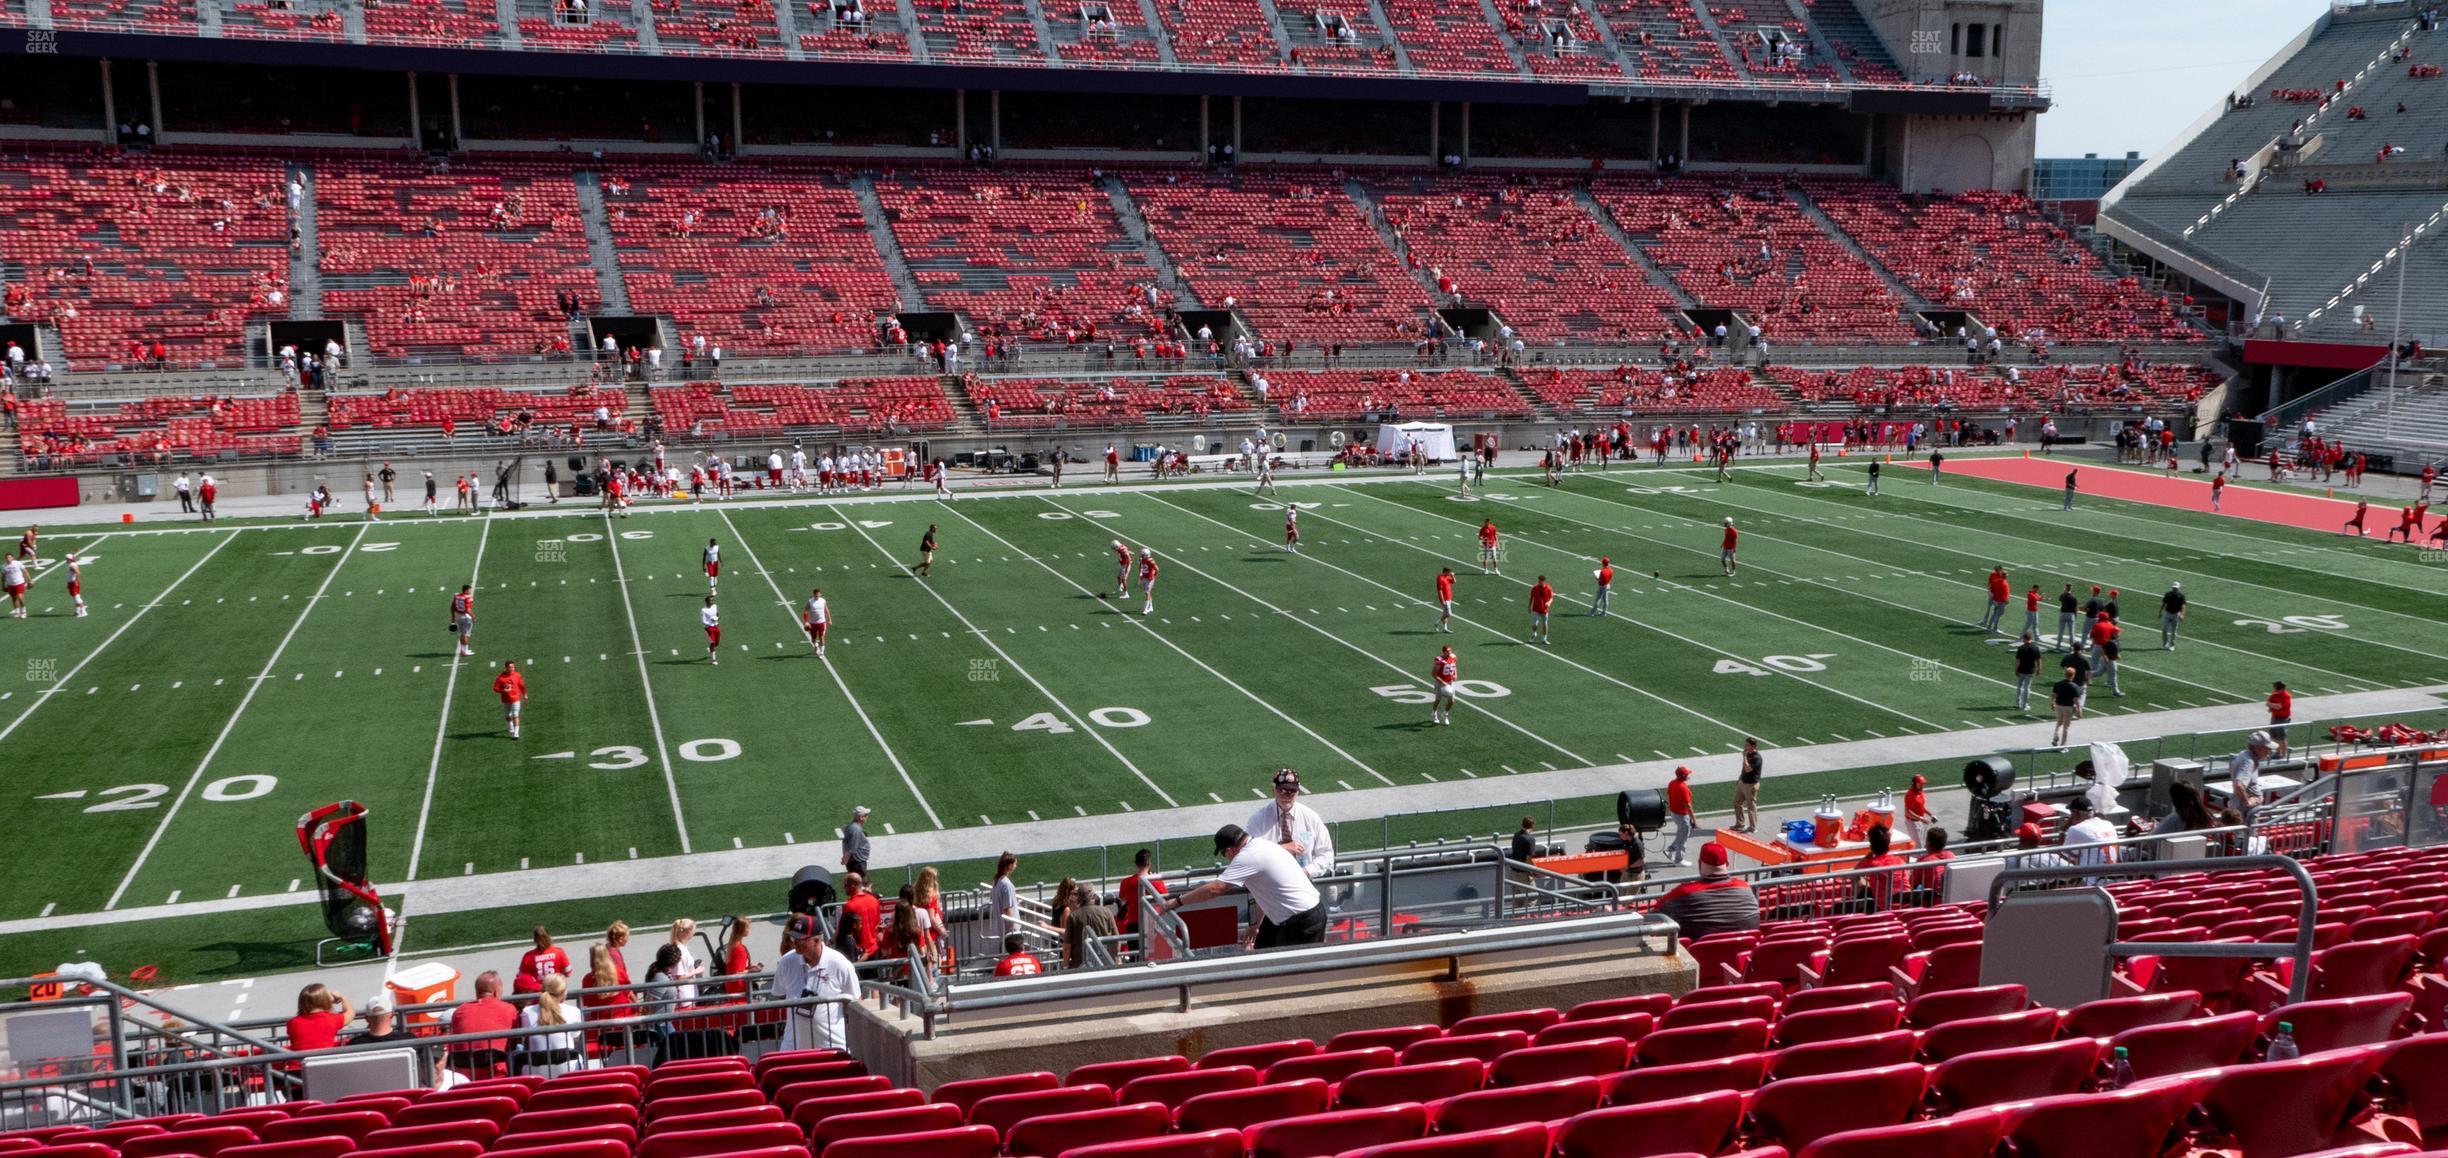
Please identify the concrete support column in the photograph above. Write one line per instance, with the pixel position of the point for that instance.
(153, 88)
(416, 116)
(457, 136)
(1657, 131)
(739, 120)
(1205, 111)
(1683, 150)
(1436, 146)
(994, 121)
(110, 106)
(960, 121)
(1465, 149)
(1236, 133)
(697, 106)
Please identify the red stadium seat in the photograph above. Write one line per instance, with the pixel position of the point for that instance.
(1653, 1004)
(2020, 1073)
(1700, 1043)
(1003, 1111)
(1859, 960)
(2295, 1106)
(1485, 1047)
(956, 1142)
(625, 1136)
(1700, 1124)
(1932, 1009)
(553, 1098)
(1741, 1072)
(1117, 1074)
(1331, 1133)
(1972, 1134)
(1628, 1027)
(1834, 1024)
(478, 1130)
(923, 1118)
(1257, 1057)
(1798, 1111)
(780, 1058)
(1175, 1089)
(1528, 1021)
(2320, 1026)
(717, 1119)
(792, 1096)
(1489, 1109)
(1718, 1012)
(707, 1081)
(2134, 1122)
(1527, 1140)
(1330, 1066)
(1548, 1063)
(333, 1147)
(809, 1114)
(1050, 1135)
(2110, 1016)
(353, 1126)
(2162, 1050)
(1203, 1144)
(962, 1094)
(1241, 1109)
(1979, 1034)
(1845, 1053)
(1835, 996)
(703, 1143)
(1394, 1085)
(772, 1078)
(1393, 1037)
(600, 1148)
(425, 1150)
(2351, 969)
(606, 1114)
(691, 1105)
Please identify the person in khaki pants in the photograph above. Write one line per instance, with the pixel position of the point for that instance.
(1746, 789)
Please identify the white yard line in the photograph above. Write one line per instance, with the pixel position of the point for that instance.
(2357, 680)
(637, 647)
(791, 613)
(1425, 605)
(113, 637)
(1408, 676)
(1077, 720)
(1705, 646)
(253, 686)
(1143, 625)
(450, 684)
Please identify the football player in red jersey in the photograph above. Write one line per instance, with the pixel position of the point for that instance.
(1442, 674)
(512, 688)
(463, 618)
(1122, 562)
(1444, 594)
(1542, 597)
(1725, 547)
(1487, 549)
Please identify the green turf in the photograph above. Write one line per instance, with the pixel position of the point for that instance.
(1851, 619)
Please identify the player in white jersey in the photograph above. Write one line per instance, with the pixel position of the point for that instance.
(816, 617)
(76, 583)
(13, 579)
(1147, 579)
(711, 617)
(1462, 471)
(943, 481)
(713, 565)
(798, 470)
(1266, 473)
(1122, 564)
(1292, 527)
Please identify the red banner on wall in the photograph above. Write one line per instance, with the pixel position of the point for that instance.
(26, 494)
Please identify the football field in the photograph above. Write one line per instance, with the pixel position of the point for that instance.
(230, 679)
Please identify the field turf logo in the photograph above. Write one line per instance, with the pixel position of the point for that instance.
(1925, 671)
(42, 671)
(552, 551)
(983, 671)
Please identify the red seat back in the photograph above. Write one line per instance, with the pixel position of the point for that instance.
(1257, 1057)
(476, 1130)
(1527, 1140)
(877, 1123)
(1835, 996)
(1742, 1072)
(625, 1137)
(1488, 1109)
(2020, 1073)
(790, 1097)
(1831, 1024)
(963, 1094)
(2294, 1106)
(334, 1146)
(2319, 1026)
(1003, 1111)
(1665, 1047)
(1049, 1135)
(1526, 1020)
(424, 1150)
(353, 1125)
(692, 1105)
(2110, 1016)
(1485, 1047)
(716, 1120)
(1628, 1027)
(2417, 1069)
(1653, 1004)
(1893, 1047)
(1967, 1135)
(1241, 1109)
(1719, 1011)
(1699, 1124)
(1394, 1085)
(813, 1112)
(203, 1142)
(956, 1142)
(1330, 1066)
(1175, 1089)
(1978, 1034)
(1548, 1063)
(1328, 1134)
(1947, 1005)
(1117, 1074)
(2134, 1122)
(1205, 1144)
(1798, 1111)
(721, 1140)
(2199, 1044)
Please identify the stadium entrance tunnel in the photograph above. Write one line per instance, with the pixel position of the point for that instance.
(930, 325)
(1945, 321)
(1707, 318)
(22, 333)
(1471, 321)
(307, 336)
(631, 333)
(1222, 323)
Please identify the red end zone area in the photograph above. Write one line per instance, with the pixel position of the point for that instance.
(2187, 492)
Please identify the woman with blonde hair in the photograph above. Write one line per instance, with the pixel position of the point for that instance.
(930, 895)
(321, 1015)
(552, 1054)
(685, 974)
(603, 973)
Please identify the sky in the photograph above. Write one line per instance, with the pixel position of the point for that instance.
(2128, 75)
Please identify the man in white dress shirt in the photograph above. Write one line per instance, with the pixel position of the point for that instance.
(1297, 827)
(1290, 911)
(813, 969)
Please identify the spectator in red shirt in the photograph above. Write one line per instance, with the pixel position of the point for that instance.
(1932, 875)
(485, 1014)
(543, 961)
(736, 960)
(1017, 960)
(1916, 809)
(1141, 883)
(861, 922)
(1880, 888)
(320, 1017)
(2281, 712)
(604, 972)
(1679, 808)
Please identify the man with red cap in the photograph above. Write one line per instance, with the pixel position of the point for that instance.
(1916, 808)
(1714, 902)
(1679, 808)
(2000, 591)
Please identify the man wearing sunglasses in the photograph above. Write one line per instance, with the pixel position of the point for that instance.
(1285, 821)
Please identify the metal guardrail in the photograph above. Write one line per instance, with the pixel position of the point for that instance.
(2299, 950)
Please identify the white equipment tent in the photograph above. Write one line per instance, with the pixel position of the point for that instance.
(1433, 438)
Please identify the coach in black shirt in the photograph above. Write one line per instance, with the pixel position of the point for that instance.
(2171, 615)
(2027, 667)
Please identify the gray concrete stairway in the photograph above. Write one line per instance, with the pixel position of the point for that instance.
(1156, 30)
(1821, 50)
(879, 227)
(505, 12)
(38, 13)
(1495, 20)
(1709, 22)
(1385, 35)
(610, 288)
(641, 13)
(1275, 24)
(1135, 225)
(1631, 246)
(1827, 225)
(1375, 215)
(305, 270)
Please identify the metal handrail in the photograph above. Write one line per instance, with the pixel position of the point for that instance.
(2300, 950)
